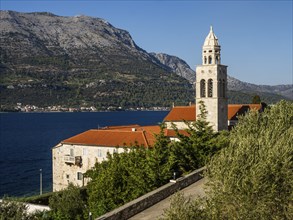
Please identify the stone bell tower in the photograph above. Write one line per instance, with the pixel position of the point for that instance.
(211, 83)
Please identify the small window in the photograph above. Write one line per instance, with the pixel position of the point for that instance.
(99, 152)
(71, 152)
(220, 90)
(204, 51)
(205, 60)
(79, 176)
(210, 88)
(210, 60)
(85, 152)
(67, 176)
(202, 88)
(210, 51)
(224, 89)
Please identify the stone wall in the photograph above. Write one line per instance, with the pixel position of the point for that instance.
(138, 205)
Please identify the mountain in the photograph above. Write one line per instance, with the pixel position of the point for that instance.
(53, 60)
(181, 68)
(76, 61)
(177, 65)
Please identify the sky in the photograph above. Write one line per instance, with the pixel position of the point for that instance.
(255, 36)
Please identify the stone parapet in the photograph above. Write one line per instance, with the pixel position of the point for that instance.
(138, 205)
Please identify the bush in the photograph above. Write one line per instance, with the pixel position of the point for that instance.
(252, 178)
(68, 204)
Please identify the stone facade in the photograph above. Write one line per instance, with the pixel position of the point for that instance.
(71, 161)
(211, 84)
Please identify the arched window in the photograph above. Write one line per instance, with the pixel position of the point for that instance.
(224, 89)
(210, 88)
(217, 60)
(210, 59)
(205, 60)
(202, 88)
(220, 90)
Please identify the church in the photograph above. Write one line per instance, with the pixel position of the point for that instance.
(72, 157)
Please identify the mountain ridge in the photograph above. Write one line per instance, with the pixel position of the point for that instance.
(181, 68)
(48, 59)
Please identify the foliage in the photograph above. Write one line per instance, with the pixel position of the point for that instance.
(195, 150)
(128, 175)
(256, 99)
(253, 177)
(38, 199)
(241, 97)
(68, 204)
(12, 210)
(182, 208)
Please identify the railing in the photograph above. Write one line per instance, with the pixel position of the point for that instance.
(69, 159)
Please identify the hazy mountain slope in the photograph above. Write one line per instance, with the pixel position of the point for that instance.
(177, 65)
(181, 68)
(48, 59)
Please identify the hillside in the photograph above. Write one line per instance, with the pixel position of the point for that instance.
(53, 60)
(50, 60)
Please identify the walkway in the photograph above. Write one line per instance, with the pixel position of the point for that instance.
(157, 210)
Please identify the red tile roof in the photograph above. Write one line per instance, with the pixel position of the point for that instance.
(120, 136)
(117, 136)
(108, 138)
(188, 113)
(181, 113)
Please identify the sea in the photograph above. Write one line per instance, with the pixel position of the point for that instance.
(26, 141)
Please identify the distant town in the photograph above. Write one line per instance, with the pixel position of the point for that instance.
(58, 108)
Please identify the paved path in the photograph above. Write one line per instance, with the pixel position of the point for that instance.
(157, 210)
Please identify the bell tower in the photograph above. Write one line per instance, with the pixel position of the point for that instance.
(211, 83)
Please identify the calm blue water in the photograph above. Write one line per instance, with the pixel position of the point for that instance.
(26, 140)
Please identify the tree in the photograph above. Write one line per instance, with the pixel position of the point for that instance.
(128, 175)
(195, 150)
(158, 160)
(12, 210)
(252, 178)
(68, 204)
(256, 99)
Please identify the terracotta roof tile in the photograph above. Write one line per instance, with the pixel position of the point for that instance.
(108, 138)
(180, 113)
(117, 136)
(188, 113)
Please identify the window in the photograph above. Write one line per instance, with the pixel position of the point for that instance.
(99, 152)
(85, 151)
(79, 176)
(71, 152)
(205, 60)
(202, 88)
(210, 59)
(224, 89)
(217, 60)
(67, 176)
(210, 88)
(220, 90)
